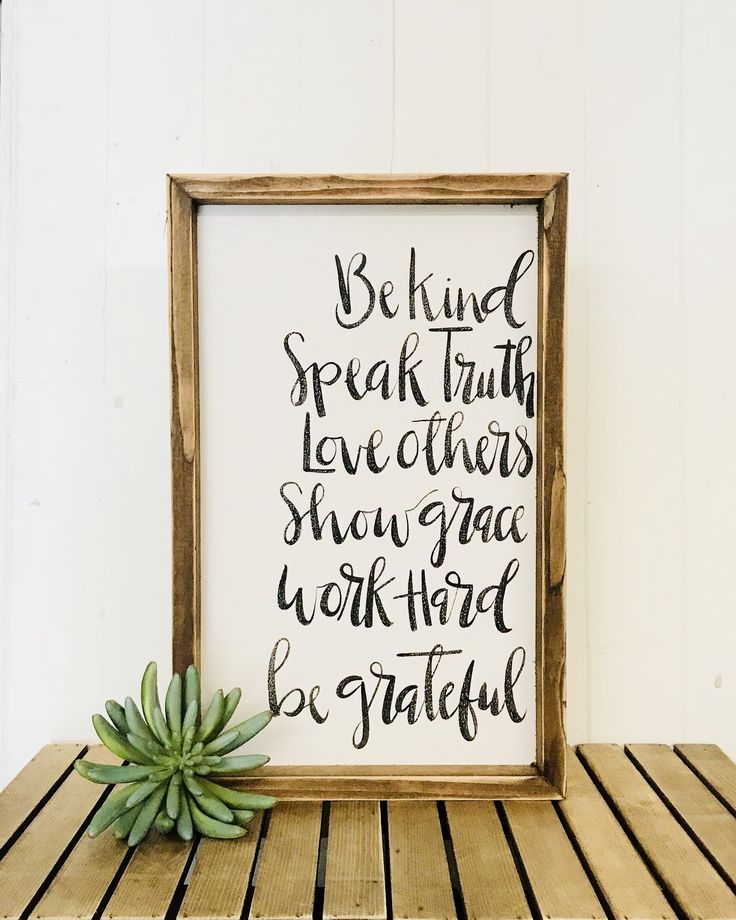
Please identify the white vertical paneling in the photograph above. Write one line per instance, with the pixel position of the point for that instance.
(101, 99)
(155, 128)
(7, 249)
(59, 176)
(56, 658)
(343, 82)
(250, 114)
(709, 331)
(441, 74)
(312, 94)
(537, 125)
(634, 420)
(56, 359)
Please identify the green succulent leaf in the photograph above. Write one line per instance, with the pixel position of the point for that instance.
(146, 816)
(124, 824)
(243, 817)
(164, 824)
(235, 799)
(143, 791)
(173, 706)
(211, 718)
(192, 688)
(215, 808)
(115, 742)
(137, 724)
(192, 785)
(211, 827)
(221, 744)
(240, 764)
(168, 753)
(184, 826)
(189, 722)
(103, 773)
(228, 711)
(162, 729)
(149, 695)
(111, 809)
(144, 750)
(238, 735)
(117, 716)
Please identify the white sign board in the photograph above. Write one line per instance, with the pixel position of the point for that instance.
(368, 449)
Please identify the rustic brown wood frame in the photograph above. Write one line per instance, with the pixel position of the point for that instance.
(545, 779)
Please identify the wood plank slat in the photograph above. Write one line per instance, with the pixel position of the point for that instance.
(558, 881)
(218, 885)
(421, 888)
(706, 817)
(627, 885)
(690, 879)
(150, 880)
(355, 887)
(22, 794)
(375, 188)
(715, 769)
(80, 884)
(489, 880)
(29, 861)
(286, 877)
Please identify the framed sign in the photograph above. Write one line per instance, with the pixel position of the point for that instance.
(368, 474)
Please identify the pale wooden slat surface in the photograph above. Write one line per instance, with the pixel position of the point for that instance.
(354, 878)
(80, 884)
(287, 874)
(688, 876)
(23, 793)
(36, 851)
(150, 879)
(641, 792)
(488, 877)
(627, 885)
(219, 883)
(714, 767)
(420, 879)
(559, 883)
(698, 808)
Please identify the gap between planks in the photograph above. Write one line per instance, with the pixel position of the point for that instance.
(686, 874)
(626, 817)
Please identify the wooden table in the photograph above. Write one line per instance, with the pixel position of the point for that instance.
(646, 831)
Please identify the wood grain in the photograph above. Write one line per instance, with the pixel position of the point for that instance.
(311, 786)
(22, 794)
(287, 874)
(605, 850)
(150, 879)
(560, 886)
(551, 486)
(488, 877)
(450, 188)
(420, 879)
(626, 884)
(689, 878)
(715, 769)
(219, 882)
(706, 817)
(184, 363)
(188, 192)
(355, 887)
(80, 885)
(32, 857)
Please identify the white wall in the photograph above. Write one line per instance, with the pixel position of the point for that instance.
(100, 98)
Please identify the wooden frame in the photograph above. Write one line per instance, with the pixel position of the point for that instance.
(546, 778)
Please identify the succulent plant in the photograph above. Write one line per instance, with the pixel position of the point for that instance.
(168, 756)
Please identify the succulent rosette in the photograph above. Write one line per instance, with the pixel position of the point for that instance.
(174, 755)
